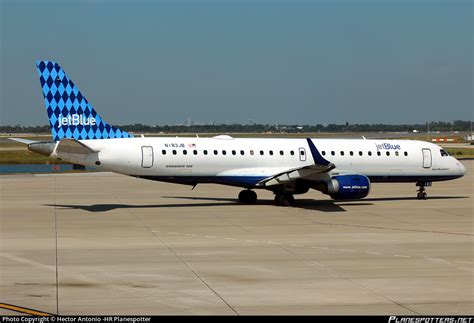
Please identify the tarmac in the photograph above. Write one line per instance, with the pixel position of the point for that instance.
(101, 243)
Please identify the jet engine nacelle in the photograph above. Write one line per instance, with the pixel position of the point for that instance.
(346, 187)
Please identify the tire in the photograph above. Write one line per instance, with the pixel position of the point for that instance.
(243, 197)
(276, 200)
(287, 199)
(252, 197)
(247, 197)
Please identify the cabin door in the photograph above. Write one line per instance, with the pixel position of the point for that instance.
(426, 158)
(147, 156)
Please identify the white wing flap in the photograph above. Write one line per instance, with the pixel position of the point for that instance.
(294, 174)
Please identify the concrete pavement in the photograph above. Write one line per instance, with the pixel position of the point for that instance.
(131, 246)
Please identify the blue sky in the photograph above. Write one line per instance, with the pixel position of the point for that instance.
(299, 62)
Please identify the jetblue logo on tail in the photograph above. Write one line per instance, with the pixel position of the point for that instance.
(75, 120)
(70, 114)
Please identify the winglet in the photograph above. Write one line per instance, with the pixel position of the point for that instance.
(318, 159)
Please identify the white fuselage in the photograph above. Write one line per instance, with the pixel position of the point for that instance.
(244, 162)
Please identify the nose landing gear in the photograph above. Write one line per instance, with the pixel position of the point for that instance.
(421, 195)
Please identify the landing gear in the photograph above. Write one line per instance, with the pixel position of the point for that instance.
(421, 190)
(284, 199)
(247, 197)
(421, 196)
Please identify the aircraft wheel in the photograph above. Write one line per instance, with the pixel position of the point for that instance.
(422, 196)
(286, 199)
(247, 197)
(253, 197)
(276, 200)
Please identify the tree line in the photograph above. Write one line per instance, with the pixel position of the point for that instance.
(458, 125)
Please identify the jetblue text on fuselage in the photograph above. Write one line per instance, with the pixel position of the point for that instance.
(75, 120)
(387, 146)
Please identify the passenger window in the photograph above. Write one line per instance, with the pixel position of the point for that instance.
(370, 153)
(360, 153)
(342, 153)
(332, 153)
(251, 152)
(205, 152)
(378, 153)
(195, 152)
(261, 152)
(405, 153)
(185, 152)
(388, 153)
(351, 153)
(271, 153)
(215, 152)
(292, 153)
(281, 152)
(163, 152)
(242, 152)
(323, 152)
(233, 152)
(224, 152)
(174, 152)
(443, 153)
(396, 153)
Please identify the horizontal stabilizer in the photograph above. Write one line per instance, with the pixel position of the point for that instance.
(23, 141)
(72, 146)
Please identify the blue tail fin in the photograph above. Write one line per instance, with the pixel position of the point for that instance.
(70, 114)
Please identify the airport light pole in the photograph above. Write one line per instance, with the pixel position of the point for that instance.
(428, 130)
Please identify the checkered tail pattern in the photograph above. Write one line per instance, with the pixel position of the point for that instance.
(70, 114)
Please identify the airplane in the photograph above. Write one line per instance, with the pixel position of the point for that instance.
(341, 168)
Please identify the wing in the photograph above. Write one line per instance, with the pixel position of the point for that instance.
(321, 165)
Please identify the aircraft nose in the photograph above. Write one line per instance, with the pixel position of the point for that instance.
(462, 169)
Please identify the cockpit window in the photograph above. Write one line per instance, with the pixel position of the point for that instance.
(443, 153)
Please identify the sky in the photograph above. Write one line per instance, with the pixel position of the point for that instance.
(262, 61)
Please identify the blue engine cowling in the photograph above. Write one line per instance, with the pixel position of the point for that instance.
(347, 187)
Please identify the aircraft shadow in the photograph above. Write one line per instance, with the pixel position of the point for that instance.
(308, 204)
(109, 207)
(407, 198)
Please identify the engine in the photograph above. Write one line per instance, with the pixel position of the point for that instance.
(346, 187)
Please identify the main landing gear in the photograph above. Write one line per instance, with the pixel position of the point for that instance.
(421, 190)
(247, 197)
(284, 199)
(281, 198)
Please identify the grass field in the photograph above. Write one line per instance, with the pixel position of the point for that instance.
(461, 153)
(14, 157)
